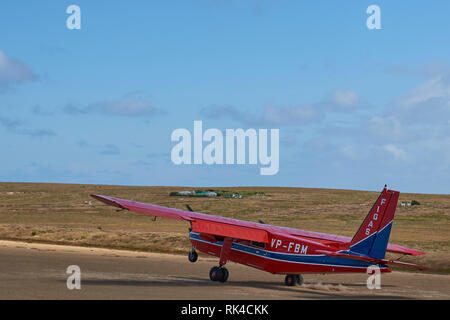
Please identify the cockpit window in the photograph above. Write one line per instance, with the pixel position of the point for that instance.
(258, 244)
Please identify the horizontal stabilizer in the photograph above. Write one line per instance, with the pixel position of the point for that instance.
(372, 260)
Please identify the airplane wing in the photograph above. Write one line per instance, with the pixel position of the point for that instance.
(201, 223)
(372, 260)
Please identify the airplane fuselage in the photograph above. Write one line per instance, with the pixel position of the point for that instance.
(282, 255)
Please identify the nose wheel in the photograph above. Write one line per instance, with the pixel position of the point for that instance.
(293, 279)
(193, 255)
(218, 274)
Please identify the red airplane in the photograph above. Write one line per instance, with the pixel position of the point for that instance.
(284, 250)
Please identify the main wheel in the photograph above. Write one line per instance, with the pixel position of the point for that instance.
(218, 274)
(290, 280)
(193, 256)
(215, 273)
(224, 275)
(299, 279)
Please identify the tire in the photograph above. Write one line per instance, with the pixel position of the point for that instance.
(224, 275)
(193, 256)
(290, 280)
(213, 273)
(299, 279)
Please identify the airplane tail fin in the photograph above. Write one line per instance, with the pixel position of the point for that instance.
(372, 237)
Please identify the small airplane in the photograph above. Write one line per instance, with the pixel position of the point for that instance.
(284, 250)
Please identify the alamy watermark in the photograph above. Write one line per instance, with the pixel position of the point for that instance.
(374, 280)
(234, 146)
(74, 280)
(74, 20)
(374, 20)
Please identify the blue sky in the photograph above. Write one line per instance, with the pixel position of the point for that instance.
(356, 108)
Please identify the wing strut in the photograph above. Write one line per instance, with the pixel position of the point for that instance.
(225, 251)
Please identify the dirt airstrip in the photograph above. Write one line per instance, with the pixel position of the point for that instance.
(38, 271)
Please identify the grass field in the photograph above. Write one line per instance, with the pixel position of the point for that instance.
(66, 214)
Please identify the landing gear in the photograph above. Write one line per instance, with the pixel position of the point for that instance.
(293, 279)
(218, 274)
(193, 256)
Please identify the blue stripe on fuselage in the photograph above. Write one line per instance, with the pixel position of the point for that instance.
(291, 257)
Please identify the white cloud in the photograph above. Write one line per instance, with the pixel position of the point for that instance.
(344, 99)
(428, 70)
(396, 152)
(127, 107)
(350, 152)
(291, 115)
(13, 71)
(388, 128)
(428, 103)
(19, 127)
(437, 87)
(295, 115)
(216, 111)
(288, 115)
(131, 107)
(110, 150)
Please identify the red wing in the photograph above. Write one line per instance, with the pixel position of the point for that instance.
(228, 230)
(144, 208)
(201, 223)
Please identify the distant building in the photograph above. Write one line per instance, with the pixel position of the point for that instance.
(405, 204)
(183, 193)
(208, 194)
(233, 195)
